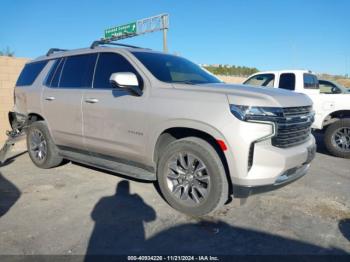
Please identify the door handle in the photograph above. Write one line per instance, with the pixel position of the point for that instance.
(91, 100)
(50, 98)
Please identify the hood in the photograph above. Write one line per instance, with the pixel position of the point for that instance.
(252, 96)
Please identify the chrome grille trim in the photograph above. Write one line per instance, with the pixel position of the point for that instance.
(294, 128)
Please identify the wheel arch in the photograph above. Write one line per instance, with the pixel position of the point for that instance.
(33, 117)
(212, 136)
(335, 116)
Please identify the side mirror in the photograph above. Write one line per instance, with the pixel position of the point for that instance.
(335, 90)
(126, 80)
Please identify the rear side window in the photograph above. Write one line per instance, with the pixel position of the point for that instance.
(287, 81)
(107, 64)
(52, 72)
(78, 71)
(30, 72)
(57, 75)
(310, 81)
(261, 80)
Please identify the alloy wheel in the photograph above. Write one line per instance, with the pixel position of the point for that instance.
(341, 139)
(188, 179)
(38, 145)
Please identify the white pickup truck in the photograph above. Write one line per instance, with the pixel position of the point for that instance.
(332, 110)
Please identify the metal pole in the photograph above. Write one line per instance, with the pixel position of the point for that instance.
(165, 31)
(165, 46)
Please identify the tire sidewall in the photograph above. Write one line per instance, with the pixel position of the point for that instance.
(218, 181)
(51, 158)
(329, 136)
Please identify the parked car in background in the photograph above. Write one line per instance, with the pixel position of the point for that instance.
(332, 109)
(332, 87)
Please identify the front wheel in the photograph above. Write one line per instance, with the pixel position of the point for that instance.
(192, 177)
(337, 138)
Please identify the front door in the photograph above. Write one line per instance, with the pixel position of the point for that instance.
(114, 124)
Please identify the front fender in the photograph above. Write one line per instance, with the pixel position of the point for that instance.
(180, 123)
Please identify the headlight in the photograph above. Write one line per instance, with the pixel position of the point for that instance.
(252, 113)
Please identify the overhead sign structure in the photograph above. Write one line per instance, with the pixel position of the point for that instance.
(142, 26)
(121, 30)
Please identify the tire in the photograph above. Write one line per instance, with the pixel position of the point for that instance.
(337, 138)
(198, 192)
(41, 148)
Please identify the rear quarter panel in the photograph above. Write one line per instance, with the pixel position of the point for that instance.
(28, 98)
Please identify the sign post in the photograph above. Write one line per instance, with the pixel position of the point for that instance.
(140, 27)
(165, 32)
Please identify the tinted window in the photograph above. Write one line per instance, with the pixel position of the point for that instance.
(287, 81)
(52, 72)
(57, 75)
(326, 87)
(107, 64)
(78, 71)
(174, 69)
(261, 80)
(310, 81)
(30, 73)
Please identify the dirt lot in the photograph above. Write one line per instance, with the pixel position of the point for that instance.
(73, 209)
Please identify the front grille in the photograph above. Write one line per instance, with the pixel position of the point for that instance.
(294, 127)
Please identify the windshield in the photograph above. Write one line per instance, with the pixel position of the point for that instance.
(261, 80)
(175, 69)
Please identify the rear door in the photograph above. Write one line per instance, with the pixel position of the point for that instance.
(114, 119)
(62, 97)
(311, 85)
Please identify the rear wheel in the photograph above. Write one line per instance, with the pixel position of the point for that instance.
(337, 138)
(191, 177)
(41, 148)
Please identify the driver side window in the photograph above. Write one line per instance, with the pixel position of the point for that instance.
(107, 64)
(326, 87)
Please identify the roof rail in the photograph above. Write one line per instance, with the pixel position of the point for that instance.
(111, 41)
(54, 50)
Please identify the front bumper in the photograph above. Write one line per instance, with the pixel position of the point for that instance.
(277, 166)
(246, 191)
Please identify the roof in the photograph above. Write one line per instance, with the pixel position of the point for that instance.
(295, 71)
(92, 50)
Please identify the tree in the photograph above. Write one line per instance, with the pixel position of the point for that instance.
(231, 70)
(7, 52)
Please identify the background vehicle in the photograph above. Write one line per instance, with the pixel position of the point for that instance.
(332, 110)
(162, 118)
(332, 87)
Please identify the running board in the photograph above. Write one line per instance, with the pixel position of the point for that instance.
(107, 164)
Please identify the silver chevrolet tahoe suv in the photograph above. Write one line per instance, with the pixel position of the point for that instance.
(159, 117)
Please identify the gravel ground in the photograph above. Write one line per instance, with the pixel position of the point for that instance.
(74, 209)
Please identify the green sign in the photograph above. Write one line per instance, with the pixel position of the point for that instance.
(121, 30)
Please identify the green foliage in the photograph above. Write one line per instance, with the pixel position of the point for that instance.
(231, 70)
(7, 52)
